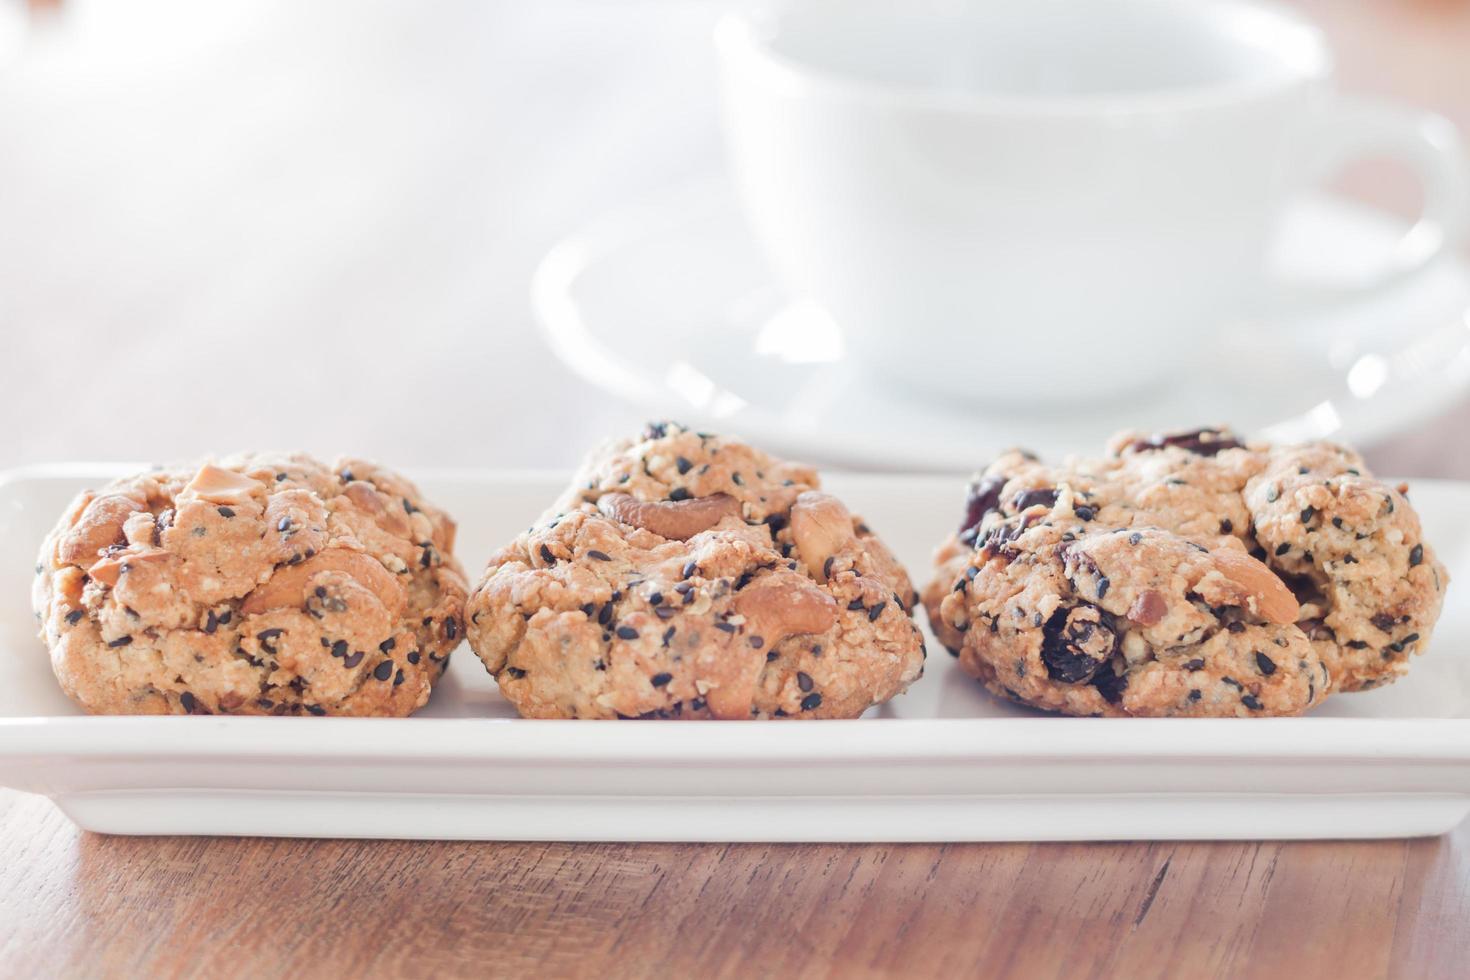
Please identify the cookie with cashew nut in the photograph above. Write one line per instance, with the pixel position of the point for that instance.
(258, 584)
(1187, 573)
(688, 575)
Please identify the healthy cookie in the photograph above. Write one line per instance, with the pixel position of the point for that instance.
(1185, 574)
(686, 575)
(266, 585)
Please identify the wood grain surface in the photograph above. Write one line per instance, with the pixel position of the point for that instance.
(75, 904)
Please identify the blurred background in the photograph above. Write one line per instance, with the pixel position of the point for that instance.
(237, 224)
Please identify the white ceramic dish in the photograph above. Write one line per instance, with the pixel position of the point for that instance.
(944, 762)
(671, 306)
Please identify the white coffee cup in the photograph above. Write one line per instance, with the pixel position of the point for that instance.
(1048, 199)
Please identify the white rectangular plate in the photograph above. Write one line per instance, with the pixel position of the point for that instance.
(944, 762)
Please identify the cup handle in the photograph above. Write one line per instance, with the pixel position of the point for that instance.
(1430, 145)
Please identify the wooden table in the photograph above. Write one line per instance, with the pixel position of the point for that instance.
(80, 904)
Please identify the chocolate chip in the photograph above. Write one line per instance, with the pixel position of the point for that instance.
(659, 680)
(1266, 665)
(383, 671)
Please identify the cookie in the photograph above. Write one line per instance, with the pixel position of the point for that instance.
(258, 584)
(688, 575)
(1185, 574)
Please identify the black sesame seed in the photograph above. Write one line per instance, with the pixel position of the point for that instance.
(679, 493)
(689, 569)
(387, 644)
(683, 465)
(1282, 548)
(451, 627)
(1103, 584)
(1308, 514)
(771, 655)
(604, 615)
(655, 598)
(1194, 694)
(316, 709)
(724, 627)
(1231, 681)
(225, 512)
(665, 612)
(1337, 522)
(121, 641)
(855, 604)
(284, 524)
(661, 679)
(1251, 701)
(547, 556)
(1236, 627)
(1196, 664)
(804, 681)
(757, 641)
(1266, 665)
(1272, 492)
(669, 635)
(1134, 538)
(627, 633)
(1226, 526)
(876, 611)
(187, 700)
(383, 671)
(75, 616)
(596, 555)
(737, 479)
(515, 673)
(353, 659)
(339, 648)
(398, 678)
(414, 656)
(1416, 555)
(812, 700)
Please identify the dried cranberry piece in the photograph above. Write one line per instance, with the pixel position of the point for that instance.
(1076, 643)
(1030, 498)
(981, 497)
(1201, 442)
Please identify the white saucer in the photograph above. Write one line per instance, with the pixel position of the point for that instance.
(672, 307)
